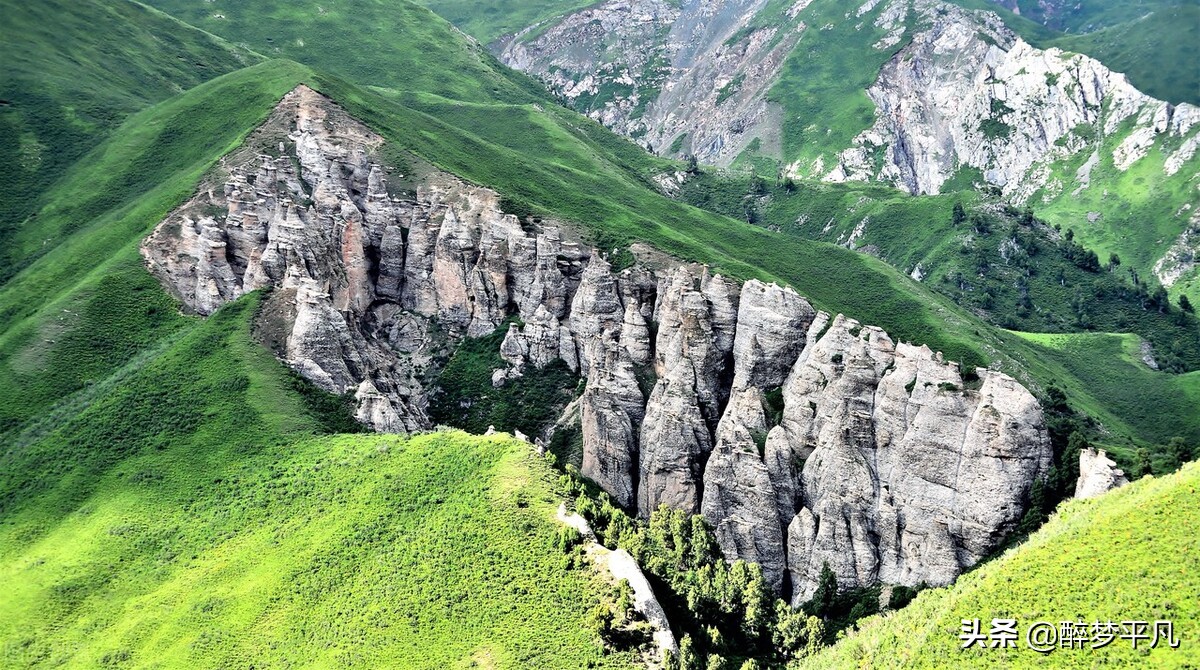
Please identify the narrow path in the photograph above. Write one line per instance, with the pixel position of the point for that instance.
(620, 565)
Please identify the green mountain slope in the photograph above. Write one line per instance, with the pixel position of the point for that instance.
(491, 20)
(183, 518)
(541, 156)
(391, 44)
(166, 495)
(1158, 51)
(72, 72)
(1129, 555)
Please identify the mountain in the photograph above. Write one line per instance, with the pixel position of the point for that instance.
(874, 95)
(400, 234)
(1153, 41)
(73, 73)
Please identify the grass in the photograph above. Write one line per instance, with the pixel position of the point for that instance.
(392, 44)
(1103, 376)
(73, 71)
(1155, 51)
(1140, 208)
(822, 86)
(1129, 555)
(491, 20)
(1152, 41)
(184, 519)
(86, 307)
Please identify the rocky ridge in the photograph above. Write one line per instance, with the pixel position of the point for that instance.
(967, 92)
(959, 99)
(805, 439)
(679, 78)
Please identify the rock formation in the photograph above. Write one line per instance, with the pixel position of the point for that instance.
(967, 92)
(804, 438)
(1098, 474)
(681, 78)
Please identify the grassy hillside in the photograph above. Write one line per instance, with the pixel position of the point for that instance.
(490, 20)
(86, 307)
(1104, 376)
(1129, 555)
(1157, 50)
(72, 72)
(395, 44)
(182, 518)
(1154, 42)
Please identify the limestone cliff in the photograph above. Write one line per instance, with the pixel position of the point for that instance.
(803, 438)
(679, 77)
(967, 92)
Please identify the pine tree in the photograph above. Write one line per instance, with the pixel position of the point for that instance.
(959, 215)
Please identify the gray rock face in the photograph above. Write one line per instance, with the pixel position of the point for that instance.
(365, 275)
(907, 477)
(804, 439)
(967, 92)
(692, 74)
(1098, 474)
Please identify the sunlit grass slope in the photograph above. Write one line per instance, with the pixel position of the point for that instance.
(1104, 376)
(86, 307)
(1129, 555)
(488, 20)
(186, 518)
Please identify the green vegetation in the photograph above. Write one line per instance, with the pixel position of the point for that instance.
(722, 613)
(1154, 42)
(392, 44)
(1104, 377)
(1136, 214)
(822, 87)
(165, 492)
(197, 528)
(1129, 555)
(493, 19)
(72, 72)
(467, 399)
(1012, 269)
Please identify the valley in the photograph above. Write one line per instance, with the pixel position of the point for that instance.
(316, 319)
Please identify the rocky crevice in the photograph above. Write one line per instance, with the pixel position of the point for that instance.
(804, 438)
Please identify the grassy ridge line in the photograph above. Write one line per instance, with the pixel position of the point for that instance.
(490, 20)
(72, 72)
(1154, 43)
(184, 519)
(598, 184)
(1128, 555)
(86, 307)
(395, 44)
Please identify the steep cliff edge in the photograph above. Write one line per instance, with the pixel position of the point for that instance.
(804, 438)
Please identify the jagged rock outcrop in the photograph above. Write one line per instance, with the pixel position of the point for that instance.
(967, 92)
(681, 78)
(1098, 474)
(362, 276)
(803, 438)
(906, 475)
